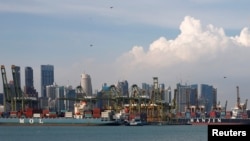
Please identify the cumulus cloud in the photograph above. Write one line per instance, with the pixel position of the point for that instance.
(195, 42)
(196, 48)
(198, 55)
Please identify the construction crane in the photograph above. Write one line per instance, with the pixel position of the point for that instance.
(7, 90)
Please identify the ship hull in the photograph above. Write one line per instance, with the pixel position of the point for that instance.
(218, 121)
(58, 121)
(208, 121)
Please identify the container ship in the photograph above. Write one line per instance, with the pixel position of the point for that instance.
(80, 117)
(219, 116)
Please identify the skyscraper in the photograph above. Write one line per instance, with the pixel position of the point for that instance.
(86, 84)
(29, 83)
(29, 89)
(208, 96)
(47, 78)
(29, 77)
(123, 88)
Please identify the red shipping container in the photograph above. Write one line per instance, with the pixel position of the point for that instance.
(96, 111)
(96, 115)
(212, 114)
(193, 114)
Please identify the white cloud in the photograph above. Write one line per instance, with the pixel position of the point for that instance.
(244, 37)
(200, 54)
(194, 43)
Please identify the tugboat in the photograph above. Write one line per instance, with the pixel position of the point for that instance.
(135, 122)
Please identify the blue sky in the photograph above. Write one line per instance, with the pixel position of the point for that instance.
(182, 41)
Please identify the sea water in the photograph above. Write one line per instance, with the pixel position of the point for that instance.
(104, 133)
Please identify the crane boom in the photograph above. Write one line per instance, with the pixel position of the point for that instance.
(225, 108)
(238, 97)
(18, 91)
(6, 87)
(7, 90)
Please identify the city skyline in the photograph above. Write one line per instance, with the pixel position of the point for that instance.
(202, 42)
(47, 70)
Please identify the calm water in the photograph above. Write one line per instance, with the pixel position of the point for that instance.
(104, 133)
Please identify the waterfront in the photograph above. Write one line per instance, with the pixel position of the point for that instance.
(104, 133)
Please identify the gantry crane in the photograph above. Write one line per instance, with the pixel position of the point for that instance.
(19, 95)
(115, 96)
(7, 91)
(238, 97)
(239, 105)
(135, 100)
(156, 106)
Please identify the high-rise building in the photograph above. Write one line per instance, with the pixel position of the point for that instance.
(29, 83)
(29, 89)
(70, 93)
(208, 96)
(186, 96)
(123, 88)
(168, 95)
(86, 84)
(47, 78)
(146, 89)
(54, 94)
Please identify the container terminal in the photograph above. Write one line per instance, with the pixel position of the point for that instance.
(116, 109)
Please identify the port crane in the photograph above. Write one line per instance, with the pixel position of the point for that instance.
(12, 95)
(239, 111)
(135, 100)
(7, 91)
(156, 106)
(116, 99)
(19, 95)
(239, 105)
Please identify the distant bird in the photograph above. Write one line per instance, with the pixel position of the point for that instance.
(225, 77)
(111, 7)
(90, 45)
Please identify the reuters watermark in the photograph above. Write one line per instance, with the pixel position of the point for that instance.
(228, 131)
